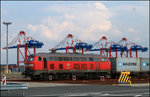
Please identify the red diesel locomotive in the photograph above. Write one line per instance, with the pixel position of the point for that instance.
(52, 66)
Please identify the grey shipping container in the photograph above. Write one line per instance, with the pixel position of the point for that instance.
(144, 62)
(125, 64)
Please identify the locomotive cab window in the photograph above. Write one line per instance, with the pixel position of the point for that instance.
(39, 58)
(104, 59)
(31, 58)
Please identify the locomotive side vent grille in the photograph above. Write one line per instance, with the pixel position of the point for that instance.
(76, 66)
(51, 66)
(60, 66)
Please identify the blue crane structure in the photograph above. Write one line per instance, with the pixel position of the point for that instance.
(130, 47)
(26, 42)
(105, 46)
(70, 42)
(102, 45)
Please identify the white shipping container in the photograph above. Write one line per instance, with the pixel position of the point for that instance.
(128, 64)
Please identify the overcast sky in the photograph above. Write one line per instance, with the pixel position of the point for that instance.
(51, 21)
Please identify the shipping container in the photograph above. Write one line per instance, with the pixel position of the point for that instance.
(14, 69)
(144, 62)
(125, 64)
(21, 69)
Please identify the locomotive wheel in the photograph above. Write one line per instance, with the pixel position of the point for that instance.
(102, 78)
(74, 77)
(50, 77)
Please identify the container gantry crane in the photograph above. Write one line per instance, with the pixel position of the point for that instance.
(106, 47)
(131, 47)
(26, 42)
(103, 45)
(70, 42)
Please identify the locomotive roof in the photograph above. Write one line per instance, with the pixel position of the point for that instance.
(66, 54)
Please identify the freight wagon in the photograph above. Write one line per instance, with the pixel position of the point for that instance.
(137, 66)
(64, 65)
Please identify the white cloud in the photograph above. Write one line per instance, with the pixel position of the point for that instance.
(130, 30)
(100, 6)
(70, 17)
(86, 21)
(117, 32)
(33, 28)
(137, 39)
(52, 29)
(43, 30)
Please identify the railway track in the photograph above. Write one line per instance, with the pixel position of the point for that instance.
(107, 81)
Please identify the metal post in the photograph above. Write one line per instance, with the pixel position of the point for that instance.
(66, 49)
(25, 52)
(107, 54)
(8, 91)
(136, 54)
(110, 52)
(116, 53)
(127, 54)
(101, 52)
(7, 23)
(75, 49)
(18, 56)
(130, 52)
(34, 50)
(22, 92)
(82, 50)
(121, 54)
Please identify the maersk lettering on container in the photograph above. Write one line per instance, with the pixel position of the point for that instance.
(128, 64)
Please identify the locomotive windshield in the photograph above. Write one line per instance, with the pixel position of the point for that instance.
(105, 59)
(30, 58)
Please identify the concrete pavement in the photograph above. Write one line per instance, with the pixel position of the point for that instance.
(77, 90)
